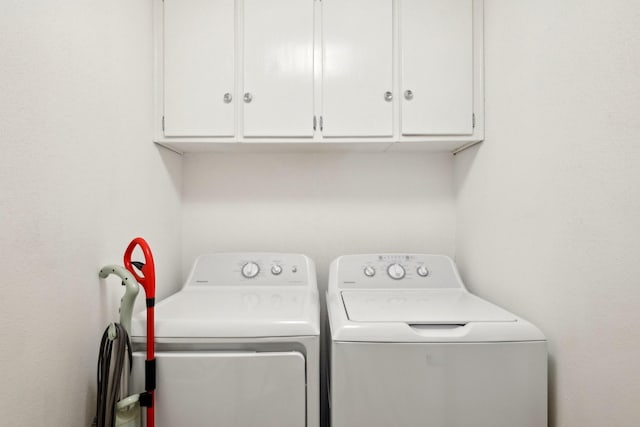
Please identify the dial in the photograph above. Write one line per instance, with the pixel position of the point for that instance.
(369, 271)
(396, 271)
(422, 271)
(250, 270)
(276, 269)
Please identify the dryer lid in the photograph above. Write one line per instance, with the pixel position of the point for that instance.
(232, 312)
(421, 307)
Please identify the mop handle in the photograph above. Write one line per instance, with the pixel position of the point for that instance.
(148, 282)
(148, 269)
(151, 382)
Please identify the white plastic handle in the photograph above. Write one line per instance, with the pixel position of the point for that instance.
(440, 330)
(128, 401)
(131, 291)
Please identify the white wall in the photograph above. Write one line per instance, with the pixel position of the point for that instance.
(79, 177)
(323, 205)
(548, 208)
(549, 205)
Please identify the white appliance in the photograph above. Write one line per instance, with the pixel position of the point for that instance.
(410, 346)
(238, 345)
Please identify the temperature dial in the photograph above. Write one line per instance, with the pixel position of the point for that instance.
(422, 271)
(250, 270)
(396, 271)
(276, 269)
(369, 271)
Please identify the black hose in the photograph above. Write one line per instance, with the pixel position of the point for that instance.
(110, 374)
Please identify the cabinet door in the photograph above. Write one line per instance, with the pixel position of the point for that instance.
(199, 67)
(278, 68)
(436, 39)
(357, 71)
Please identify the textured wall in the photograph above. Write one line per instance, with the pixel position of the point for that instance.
(549, 205)
(79, 177)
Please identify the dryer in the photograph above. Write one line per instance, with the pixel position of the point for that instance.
(410, 346)
(238, 345)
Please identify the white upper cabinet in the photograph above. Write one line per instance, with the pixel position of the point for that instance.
(436, 45)
(354, 74)
(199, 68)
(357, 68)
(278, 78)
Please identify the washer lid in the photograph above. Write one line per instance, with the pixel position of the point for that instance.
(428, 307)
(232, 312)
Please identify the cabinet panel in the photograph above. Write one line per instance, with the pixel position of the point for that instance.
(278, 68)
(225, 388)
(199, 67)
(436, 39)
(357, 53)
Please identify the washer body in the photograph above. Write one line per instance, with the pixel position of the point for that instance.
(238, 345)
(410, 346)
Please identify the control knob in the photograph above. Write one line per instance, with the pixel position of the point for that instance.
(422, 271)
(395, 271)
(250, 270)
(369, 271)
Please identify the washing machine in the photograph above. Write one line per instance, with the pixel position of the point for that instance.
(238, 345)
(410, 346)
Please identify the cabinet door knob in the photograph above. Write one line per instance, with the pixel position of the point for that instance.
(248, 97)
(408, 95)
(227, 98)
(388, 96)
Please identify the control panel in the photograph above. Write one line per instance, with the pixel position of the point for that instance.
(252, 269)
(387, 271)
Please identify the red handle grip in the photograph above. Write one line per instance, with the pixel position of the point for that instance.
(148, 278)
